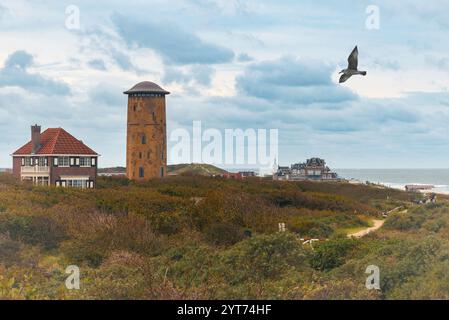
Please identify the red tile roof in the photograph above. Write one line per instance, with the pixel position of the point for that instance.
(58, 141)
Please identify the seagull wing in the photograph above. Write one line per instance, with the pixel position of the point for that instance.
(353, 59)
(344, 77)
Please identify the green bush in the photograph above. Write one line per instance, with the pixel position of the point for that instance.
(128, 233)
(312, 229)
(222, 234)
(34, 230)
(85, 250)
(331, 254)
(405, 221)
(165, 222)
(263, 257)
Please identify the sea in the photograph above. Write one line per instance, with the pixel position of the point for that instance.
(399, 178)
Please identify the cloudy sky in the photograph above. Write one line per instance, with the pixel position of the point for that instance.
(235, 64)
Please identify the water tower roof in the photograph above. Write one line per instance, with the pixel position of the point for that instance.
(146, 87)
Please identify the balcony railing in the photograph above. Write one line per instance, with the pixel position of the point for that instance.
(35, 169)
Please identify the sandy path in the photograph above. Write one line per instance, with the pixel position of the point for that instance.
(364, 232)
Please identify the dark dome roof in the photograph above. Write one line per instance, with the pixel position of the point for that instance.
(146, 87)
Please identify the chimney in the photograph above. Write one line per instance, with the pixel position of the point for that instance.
(35, 138)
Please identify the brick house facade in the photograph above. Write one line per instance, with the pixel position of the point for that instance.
(56, 158)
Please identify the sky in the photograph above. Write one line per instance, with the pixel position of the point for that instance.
(261, 64)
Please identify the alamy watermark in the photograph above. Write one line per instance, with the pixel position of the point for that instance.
(373, 280)
(249, 147)
(72, 20)
(73, 280)
(372, 21)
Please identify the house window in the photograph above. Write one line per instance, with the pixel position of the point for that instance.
(42, 162)
(94, 162)
(154, 116)
(140, 155)
(162, 171)
(85, 162)
(63, 161)
(28, 161)
(141, 172)
(144, 139)
(83, 184)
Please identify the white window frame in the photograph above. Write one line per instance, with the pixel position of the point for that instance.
(62, 163)
(85, 162)
(28, 162)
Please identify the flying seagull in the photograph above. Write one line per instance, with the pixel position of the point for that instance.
(352, 66)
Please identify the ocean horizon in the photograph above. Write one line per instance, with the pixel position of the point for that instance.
(399, 178)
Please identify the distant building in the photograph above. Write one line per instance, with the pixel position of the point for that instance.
(112, 172)
(312, 169)
(246, 174)
(237, 175)
(56, 158)
(231, 175)
(418, 187)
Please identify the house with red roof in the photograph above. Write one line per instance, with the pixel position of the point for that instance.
(56, 158)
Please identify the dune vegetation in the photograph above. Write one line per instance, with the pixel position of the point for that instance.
(194, 237)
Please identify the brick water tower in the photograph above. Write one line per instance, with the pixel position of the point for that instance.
(146, 142)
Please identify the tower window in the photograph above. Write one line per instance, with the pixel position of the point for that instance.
(140, 155)
(154, 116)
(134, 107)
(144, 139)
(162, 171)
(141, 172)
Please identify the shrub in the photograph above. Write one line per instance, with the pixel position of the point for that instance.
(332, 253)
(129, 233)
(263, 257)
(312, 229)
(165, 222)
(9, 250)
(405, 221)
(222, 234)
(34, 230)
